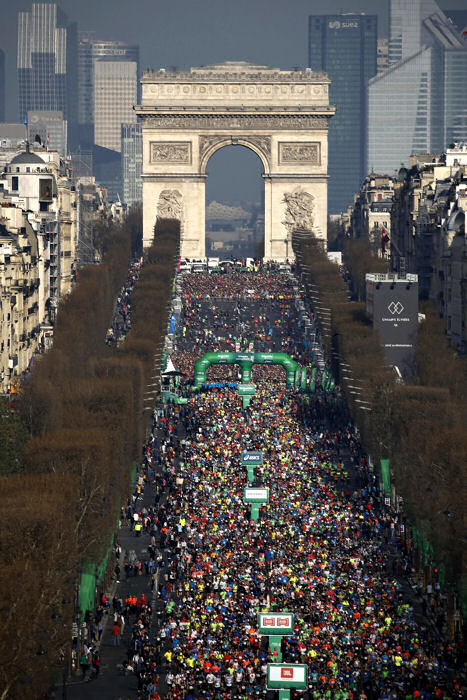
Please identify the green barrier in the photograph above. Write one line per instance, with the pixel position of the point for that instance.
(255, 511)
(275, 645)
(386, 476)
(134, 469)
(312, 385)
(87, 588)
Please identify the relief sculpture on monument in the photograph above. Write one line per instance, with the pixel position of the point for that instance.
(170, 205)
(171, 152)
(308, 153)
(298, 210)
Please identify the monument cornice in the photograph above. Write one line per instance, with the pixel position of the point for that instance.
(148, 110)
(239, 120)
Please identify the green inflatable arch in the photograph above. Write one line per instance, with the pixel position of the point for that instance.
(246, 360)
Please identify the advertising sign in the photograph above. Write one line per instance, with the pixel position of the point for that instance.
(246, 389)
(252, 457)
(393, 305)
(275, 623)
(245, 357)
(287, 676)
(256, 495)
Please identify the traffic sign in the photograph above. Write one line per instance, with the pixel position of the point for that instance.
(287, 676)
(252, 458)
(276, 623)
(256, 495)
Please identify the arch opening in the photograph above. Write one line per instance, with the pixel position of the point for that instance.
(234, 201)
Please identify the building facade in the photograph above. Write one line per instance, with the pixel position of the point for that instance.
(132, 163)
(48, 129)
(2, 86)
(115, 94)
(20, 323)
(370, 217)
(345, 46)
(46, 62)
(90, 51)
(428, 233)
(417, 104)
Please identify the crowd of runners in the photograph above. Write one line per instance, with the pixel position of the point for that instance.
(324, 547)
(121, 322)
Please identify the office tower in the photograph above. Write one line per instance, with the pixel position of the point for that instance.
(406, 27)
(345, 47)
(115, 94)
(2, 86)
(46, 62)
(132, 163)
(417, 105)
(90, 51)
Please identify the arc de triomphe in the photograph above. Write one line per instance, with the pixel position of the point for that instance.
(280, 115)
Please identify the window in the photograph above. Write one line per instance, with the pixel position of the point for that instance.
(14, 183)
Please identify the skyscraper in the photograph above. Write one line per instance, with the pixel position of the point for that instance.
(417, 105)
(115, 94)
(132, 163)
(345, 46)
(90, 51)
(2, 86)
(46, 61)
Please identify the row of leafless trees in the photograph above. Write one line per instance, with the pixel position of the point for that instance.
(420, 427)
(83, 410)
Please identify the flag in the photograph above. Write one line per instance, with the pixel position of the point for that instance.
(47, 140)
(25, 120)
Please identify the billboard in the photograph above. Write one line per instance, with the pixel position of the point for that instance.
(275, 623)
(392, 303)
(256, 495)
(287, 675)
(252, 457)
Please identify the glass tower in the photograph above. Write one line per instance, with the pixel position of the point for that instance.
(345, 46)
(90, 51)
(46, 61)
(2, 86)
(132, 163)
(115, 94)
(419, 104)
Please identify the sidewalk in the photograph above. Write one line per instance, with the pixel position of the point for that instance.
(112, 683)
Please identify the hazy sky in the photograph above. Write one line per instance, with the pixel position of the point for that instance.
(186, 33)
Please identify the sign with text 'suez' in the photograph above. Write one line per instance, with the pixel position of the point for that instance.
(275, 623)
(256, 495)
(252, 457)
(287, 676)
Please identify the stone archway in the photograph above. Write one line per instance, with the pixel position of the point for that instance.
(280, 115)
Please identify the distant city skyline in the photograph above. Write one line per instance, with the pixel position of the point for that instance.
(183, 34)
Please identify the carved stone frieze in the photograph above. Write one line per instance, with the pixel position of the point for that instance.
(230, 90)
(170, 205)
(299, 206)
(300, 153)
(170, 152)
(237, 121)
(263, 143)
